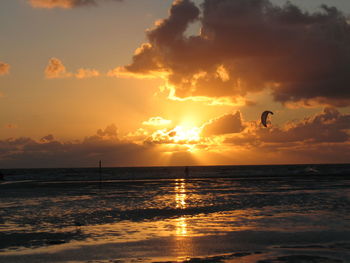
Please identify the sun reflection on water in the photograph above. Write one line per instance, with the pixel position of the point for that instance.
(180, 193)
(183, 246)
(180, 200)
(181, 227)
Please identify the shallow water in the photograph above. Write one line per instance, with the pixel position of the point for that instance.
(230, 218)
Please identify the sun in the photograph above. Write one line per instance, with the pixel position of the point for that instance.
(183, 134)
(184, 137)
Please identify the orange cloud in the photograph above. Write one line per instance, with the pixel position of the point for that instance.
(4, 68)
(177, 136)
(62, 3)
(86, 73)
(55, 69)
(121, 72)
(109, 132)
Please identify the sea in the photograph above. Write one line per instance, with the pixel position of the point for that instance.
(263, 214)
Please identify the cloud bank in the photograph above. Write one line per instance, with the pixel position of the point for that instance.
(49, 152)
(324, 137)
(4, 68)
(247, 46)
(228, 139)
(64, 3)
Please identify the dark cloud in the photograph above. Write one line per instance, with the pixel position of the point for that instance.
(247, 46)
(48, 152)
(323, 138)
(228, 123)
(64, 3)
(329, 126)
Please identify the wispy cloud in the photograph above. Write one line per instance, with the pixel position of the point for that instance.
(86, 73)
(65, 3)
(11, 126)
(156, 121)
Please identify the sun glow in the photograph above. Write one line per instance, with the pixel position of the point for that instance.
(185, 134)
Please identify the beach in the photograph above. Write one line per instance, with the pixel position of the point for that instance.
(264, 214)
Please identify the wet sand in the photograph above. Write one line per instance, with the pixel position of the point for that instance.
(248, 246)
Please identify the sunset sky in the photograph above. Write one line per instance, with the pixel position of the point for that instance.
(161, 82)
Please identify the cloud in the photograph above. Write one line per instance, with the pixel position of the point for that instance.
(86, 73)
(178, 136)
(329, 126)
(47, 138)
(11, 126)
(109, 132)
(4, 68)
(64, 3)
(230, 132)
(156, 121)
(56, 70)
(49, 152)
(246, 46)
(228, 123)
(322, 138)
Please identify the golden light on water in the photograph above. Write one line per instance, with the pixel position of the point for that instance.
(183, 246)
(180, 200)
(181, 227)
(180, 193)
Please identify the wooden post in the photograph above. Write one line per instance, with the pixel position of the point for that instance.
(100, 172)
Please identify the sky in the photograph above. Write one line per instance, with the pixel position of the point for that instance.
(184, 82)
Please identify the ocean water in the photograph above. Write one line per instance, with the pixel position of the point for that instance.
(265, 214)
